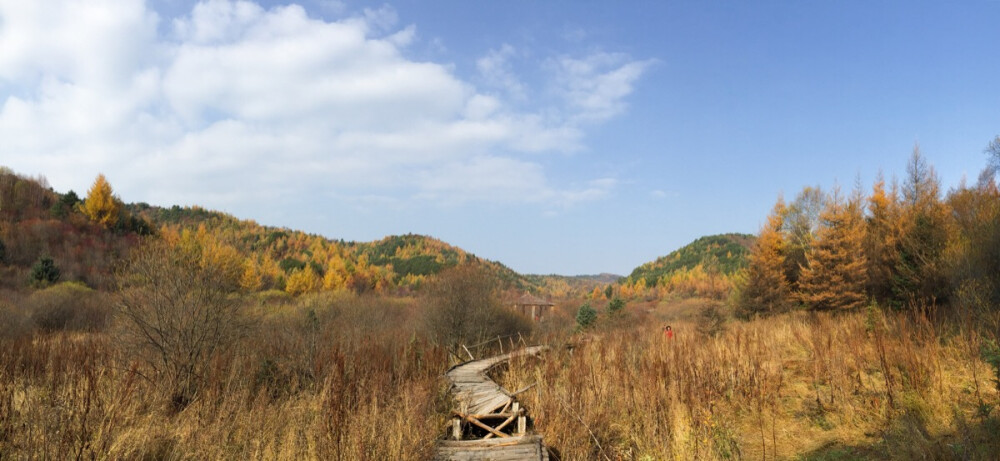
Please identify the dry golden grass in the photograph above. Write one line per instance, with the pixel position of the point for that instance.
(352, 378)
(797, 386)
(337, 388)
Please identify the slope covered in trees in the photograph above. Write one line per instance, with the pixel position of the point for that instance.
(703, 267)
(298, 262)
(79, 239)
(726, 253)
(85, 237)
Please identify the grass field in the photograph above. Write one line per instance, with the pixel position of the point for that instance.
(354, 378)
(796, 386)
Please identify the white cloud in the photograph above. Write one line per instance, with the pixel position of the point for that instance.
(236, 103)
(595, 86)
(496, 71)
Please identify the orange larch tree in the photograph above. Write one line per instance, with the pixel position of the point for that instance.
(766, 289)
(882, 229)
(836, 274)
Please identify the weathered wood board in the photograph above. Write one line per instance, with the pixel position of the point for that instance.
(510, 449)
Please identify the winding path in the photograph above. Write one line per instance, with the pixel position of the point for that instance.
(486, 408)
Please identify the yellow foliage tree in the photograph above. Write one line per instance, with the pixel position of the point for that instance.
(252, 278)
(303, 281)
(336, 275)
(224, 257)
(765, 289)
(101, 206)
(836, 275)
(270, 271)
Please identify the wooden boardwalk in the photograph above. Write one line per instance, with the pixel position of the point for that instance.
(489, 423)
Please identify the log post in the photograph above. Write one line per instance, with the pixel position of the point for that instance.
(516, 409)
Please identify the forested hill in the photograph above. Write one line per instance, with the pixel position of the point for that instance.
(398, 261)
(295, 261)
(723, 253)
(67, 237)
(81, 238)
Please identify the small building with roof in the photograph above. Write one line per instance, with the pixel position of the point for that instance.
(533, 307)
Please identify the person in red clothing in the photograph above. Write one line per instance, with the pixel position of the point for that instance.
(668, 332)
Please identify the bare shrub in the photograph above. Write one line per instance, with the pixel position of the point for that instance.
(463, 308)
(178, 311)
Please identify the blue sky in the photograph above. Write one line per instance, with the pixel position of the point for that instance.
(556, 137)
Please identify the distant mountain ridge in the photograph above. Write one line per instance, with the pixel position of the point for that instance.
(725, 253)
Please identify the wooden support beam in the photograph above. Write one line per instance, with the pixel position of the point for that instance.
(506, 405)
(484, 416)
(456, 428)
(502, 425)
(514, 414)
(489, 429)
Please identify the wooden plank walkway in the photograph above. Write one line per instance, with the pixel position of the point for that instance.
(489, 409)
(509, 449)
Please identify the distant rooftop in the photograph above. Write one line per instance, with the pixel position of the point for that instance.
(531, 300)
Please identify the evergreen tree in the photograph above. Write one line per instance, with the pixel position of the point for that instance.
(44, 272)
(835, 277)
(586, 316)
(616, 306)
(766, 289)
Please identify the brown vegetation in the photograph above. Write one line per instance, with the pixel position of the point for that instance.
(320, 378)
(797, 385)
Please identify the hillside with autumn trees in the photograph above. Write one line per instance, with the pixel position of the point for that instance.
(84, 237)
(296, 262)
(705, 267)
(40, 228)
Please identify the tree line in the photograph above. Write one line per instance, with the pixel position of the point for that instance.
(904, 246)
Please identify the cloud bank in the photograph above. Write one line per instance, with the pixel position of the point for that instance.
(234, 103)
